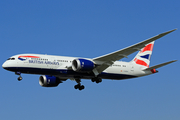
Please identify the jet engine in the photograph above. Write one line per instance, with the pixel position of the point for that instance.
(82, 65)
(49, 81)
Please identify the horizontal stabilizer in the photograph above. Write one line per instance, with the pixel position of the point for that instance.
(160, 65)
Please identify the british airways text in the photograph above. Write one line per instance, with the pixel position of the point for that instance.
(43, 62)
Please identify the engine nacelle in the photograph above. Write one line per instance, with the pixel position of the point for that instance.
(49, 81)
(82, 65)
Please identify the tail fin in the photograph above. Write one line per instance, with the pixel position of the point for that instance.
(144, 56)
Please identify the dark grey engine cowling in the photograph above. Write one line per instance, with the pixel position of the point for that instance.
(82, 65)
(49, 81)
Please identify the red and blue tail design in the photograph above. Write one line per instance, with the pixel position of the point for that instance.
(143, 57)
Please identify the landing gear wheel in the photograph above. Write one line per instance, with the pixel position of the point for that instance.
(19, 78)
(81, 87)
(93, 80)
(19, 73)
(76, 86)
(97, 80)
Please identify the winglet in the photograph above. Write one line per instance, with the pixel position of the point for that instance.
(171, 31)
(160, 65)
(162, 34)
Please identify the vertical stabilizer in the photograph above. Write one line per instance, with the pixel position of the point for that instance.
(144, 56)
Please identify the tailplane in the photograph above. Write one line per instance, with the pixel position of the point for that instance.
(159, 65)
(144, 55)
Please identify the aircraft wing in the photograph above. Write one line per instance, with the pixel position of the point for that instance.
(107, 60)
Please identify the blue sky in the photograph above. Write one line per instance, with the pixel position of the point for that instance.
(90, 29)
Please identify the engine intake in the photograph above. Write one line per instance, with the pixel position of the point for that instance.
(49, 81)
(82, 65)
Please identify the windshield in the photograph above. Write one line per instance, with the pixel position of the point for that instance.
(11, 59)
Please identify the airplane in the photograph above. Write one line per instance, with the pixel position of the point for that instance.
(57, 69)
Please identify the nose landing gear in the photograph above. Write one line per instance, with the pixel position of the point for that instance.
(19, 78)
(19, 73)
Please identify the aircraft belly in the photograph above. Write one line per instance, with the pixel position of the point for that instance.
(116, 76)
(68, 73)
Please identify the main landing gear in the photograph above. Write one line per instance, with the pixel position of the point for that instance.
(19, 73)
(79, 86)
(96, 79)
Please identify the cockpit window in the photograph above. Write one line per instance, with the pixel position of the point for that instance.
(11, 59)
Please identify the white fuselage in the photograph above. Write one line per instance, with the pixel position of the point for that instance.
(60, 66)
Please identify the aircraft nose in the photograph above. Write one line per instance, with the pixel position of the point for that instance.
(8, 65)
(4, 65)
